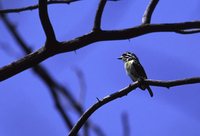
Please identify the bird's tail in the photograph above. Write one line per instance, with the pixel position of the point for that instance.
(150, 91)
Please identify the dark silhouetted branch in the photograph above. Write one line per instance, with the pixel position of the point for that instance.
(17, 10)
(124, 92)
(97, 21)
(46, 24)
(42, 54)
(173, 83)
(42, 73)
(51, 83)
(146, 19)
(99, 104)
(32, 59)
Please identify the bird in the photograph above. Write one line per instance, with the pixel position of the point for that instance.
(135, 70)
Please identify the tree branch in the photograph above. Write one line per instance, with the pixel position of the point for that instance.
(107, 35)
(51, 83)
(146, 19)
(43, 74)
(99, 104)
(66, 46)
(17, 10)
(46, 24)
(124, 92)
(173, 83)
(97, 22)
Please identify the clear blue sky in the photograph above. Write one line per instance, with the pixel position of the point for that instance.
(27, 107)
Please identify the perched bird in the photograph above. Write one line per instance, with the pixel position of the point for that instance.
(134, 69)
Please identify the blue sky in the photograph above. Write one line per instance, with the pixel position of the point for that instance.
(27, 107)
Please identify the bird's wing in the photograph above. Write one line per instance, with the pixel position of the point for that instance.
(139, 70)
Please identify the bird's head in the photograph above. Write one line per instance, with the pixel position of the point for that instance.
(127, 56)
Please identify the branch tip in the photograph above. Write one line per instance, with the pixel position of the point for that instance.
(146, 19)
(98, 17)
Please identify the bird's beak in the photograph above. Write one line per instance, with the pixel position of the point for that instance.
(120, 58)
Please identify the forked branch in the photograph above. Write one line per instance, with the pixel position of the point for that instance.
(43, 74)
(54, 87)
(46, 24)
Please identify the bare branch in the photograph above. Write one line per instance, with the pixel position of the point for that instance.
(99, 104)
(42, 54)
(46, 24)
(107, 35)
(188, 31)
(42, 73)
(52, 84)
(146, 19)
(97, 22)
(124, 92)
(66, 46)
(22, 64)
(173, 83)
(17, 10)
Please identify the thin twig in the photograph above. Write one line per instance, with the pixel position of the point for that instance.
(17, 10)
(146, 19)
(124, 92)
(97, 21)
(46, 24)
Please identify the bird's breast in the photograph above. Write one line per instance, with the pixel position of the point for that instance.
(130, 70)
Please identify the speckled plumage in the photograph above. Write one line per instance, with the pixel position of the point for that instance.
(134, 69)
